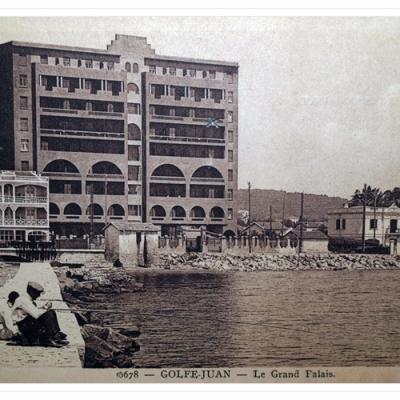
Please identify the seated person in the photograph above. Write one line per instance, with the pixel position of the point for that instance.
(37, 326)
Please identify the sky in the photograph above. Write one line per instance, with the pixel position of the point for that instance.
(319, 97)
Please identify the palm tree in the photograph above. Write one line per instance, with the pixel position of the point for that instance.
(367, 196)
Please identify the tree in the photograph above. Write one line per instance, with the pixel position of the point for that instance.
(368, 196)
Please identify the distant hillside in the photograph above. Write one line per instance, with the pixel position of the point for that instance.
(315, 206)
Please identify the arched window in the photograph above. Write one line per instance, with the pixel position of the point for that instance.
(197, 212)
(217, 212)
(128, 67)
(8, 214)
(116, 210)
(135, 68)
(167, 170)
(157, 211)
(207, 172)
(105, 167)
(132, 87)
(134, 132)
(97, 209)
(61, 166)
(178, 212)
(54, 209)
(72, 209)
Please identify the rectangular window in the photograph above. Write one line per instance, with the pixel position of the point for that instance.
(67, 188)
(44, 145)
(230, 155)
(164, 71)
(230, 174)
(230, 97)
(133, 172)
(24, 165)
(184, 72)
(134, 189)
(338, 224)
(230, 213)
(152, 69)
(22, 60)
(172, 71)
(230, 194)
(44, 59)
(230, 116)
(23, 80)
(110, 65)
(192, 73)
(133, 108)
(6, 235)
(66, 61)
(212, 74)
(230, 136)
(133, 153)
(229, 77)
(24, 145)
(373, 224)
(134, 210)
(343, 224)
(23, 124)
(89, 63)
(23, 103)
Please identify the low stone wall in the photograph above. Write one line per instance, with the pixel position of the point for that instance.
(277, 262)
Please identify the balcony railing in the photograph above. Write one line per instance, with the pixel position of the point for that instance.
(23, 199)
(186, 139)
(24, 222)
(167, 178)
(64, 132)
(95, 113)
(64, 174)
(208, 180)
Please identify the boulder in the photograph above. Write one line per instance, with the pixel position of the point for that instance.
(81, 319)
(90, 330)
(132, 332)
(99, 353)
(118, 341)
(122, 361)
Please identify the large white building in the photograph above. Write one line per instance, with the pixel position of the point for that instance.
(381, 223)
(24, 206)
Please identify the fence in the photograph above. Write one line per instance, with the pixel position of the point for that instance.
(231, 245)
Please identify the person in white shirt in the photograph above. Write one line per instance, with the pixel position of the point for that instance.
(37, 326)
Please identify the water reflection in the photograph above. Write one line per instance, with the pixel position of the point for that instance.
(264, 319)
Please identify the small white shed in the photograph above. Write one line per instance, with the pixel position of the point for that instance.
(134, 244)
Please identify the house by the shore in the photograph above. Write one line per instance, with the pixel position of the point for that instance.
(381, 224)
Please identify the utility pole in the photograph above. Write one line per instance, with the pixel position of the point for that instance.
(249, 189)
(91, 214)
(283, 211)
(301, 222)
(270, 220)
(375, 221)
(364, 212)
(105, 200)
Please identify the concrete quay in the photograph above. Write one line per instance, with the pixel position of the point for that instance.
(70, 356)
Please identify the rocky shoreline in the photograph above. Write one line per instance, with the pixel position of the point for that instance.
(277, 262)
(87, 290)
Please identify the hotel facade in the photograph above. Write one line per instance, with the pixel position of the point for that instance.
(122, 134)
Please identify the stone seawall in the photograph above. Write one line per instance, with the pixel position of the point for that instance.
(278, 262)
